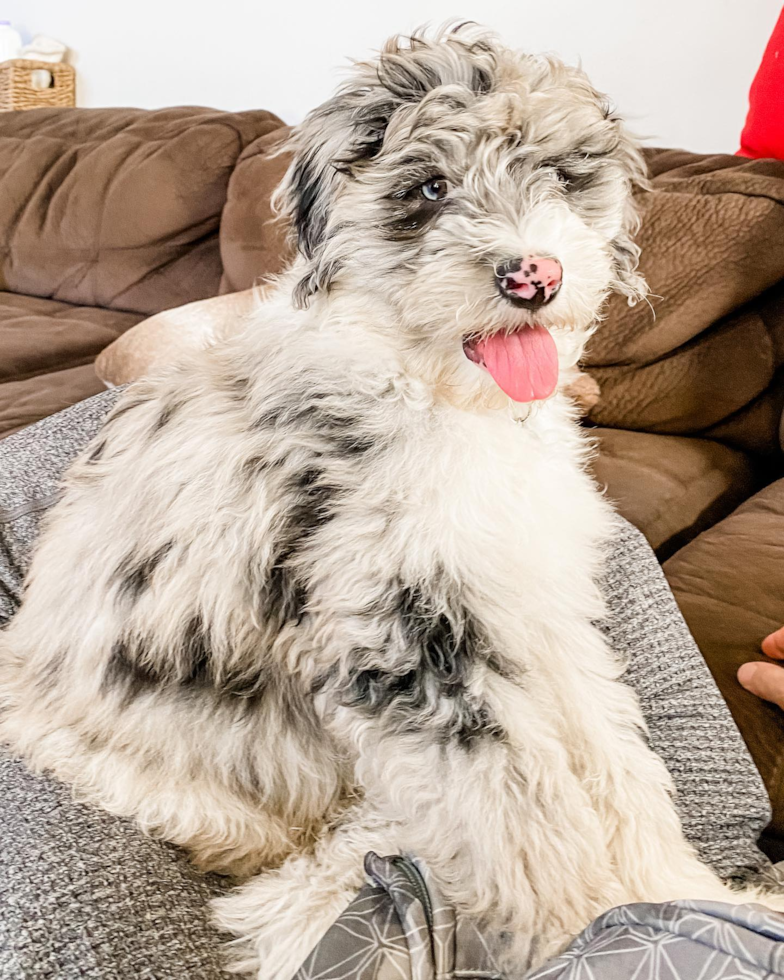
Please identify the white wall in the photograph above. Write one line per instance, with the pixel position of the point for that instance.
(678, 69)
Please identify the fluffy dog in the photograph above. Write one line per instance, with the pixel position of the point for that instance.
(330, 586)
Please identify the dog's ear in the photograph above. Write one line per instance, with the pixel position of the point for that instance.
(626, 256)
(626, 251)
(327, 147)
(347, 132)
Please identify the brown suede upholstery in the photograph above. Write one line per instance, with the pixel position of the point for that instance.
(712, 243)
(254, 242)
(48, 349)
(689, 484)
(729, 585)
(109, 215)
(106, 216)
(118, 208)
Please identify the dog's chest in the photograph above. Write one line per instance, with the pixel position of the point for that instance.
(482, 520)
(484, 549)
(503, 505)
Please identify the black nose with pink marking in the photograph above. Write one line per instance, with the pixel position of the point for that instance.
(529, 282)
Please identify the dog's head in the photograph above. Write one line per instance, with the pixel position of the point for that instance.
(483, 194)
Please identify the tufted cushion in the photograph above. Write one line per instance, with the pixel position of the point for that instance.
(253, 242)
(671, 487)
(118, 208)
(47, 354)
(712, 243)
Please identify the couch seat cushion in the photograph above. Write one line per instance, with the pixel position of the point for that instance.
(48, 353)
(728, 586)
(671, 487)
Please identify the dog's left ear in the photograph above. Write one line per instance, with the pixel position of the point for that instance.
(333, 139)
(626, 251)
(345, 133)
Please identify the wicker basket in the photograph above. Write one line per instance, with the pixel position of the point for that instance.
(16, 87)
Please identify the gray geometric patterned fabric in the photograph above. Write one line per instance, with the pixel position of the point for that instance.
(399, 928)
(675, 941)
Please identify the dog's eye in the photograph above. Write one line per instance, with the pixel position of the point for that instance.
(573, 181)
(564, 177)
(434, 189)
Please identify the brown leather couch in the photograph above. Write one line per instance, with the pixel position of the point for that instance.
(111, 215)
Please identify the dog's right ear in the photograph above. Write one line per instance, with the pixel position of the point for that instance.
(625, 251)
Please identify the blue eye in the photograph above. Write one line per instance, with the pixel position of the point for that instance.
(435, 189)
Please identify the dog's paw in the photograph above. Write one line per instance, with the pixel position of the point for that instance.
(276, 920)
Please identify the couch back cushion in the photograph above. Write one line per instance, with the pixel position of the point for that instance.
(254, 241)
(118, 208)
(705, 356)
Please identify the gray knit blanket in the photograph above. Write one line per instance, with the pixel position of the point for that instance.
(86, 895)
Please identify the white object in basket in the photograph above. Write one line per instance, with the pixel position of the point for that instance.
(10, 41)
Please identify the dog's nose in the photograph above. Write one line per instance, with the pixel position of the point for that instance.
(531, 281)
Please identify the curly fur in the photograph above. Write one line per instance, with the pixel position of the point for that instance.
(323, 588)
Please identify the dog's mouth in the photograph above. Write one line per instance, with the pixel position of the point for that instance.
(523, 363)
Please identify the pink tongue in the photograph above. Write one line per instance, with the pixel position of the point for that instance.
(523, 364)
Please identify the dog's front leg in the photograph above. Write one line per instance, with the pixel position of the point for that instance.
(279, 916)
(630, 788)
(507, 830)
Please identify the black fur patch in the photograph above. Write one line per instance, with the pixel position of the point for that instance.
(165, 416)
(195, 658)
(312, 417)
(501, 666)
(284, 597)
(253, 466)
(354, 445)
(370, 125)
(408, 78)
(310, 216)
(438, 662)
(197, 669)
(186, 670)
(336, 431)
(126, 672)
(135, 574)
(575, 172)
(575, 182)
(269, 419)
(481, 81)
(411, 216)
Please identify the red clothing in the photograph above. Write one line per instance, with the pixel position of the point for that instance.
(763, 134)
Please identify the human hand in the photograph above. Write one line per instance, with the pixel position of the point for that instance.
(764, 679)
